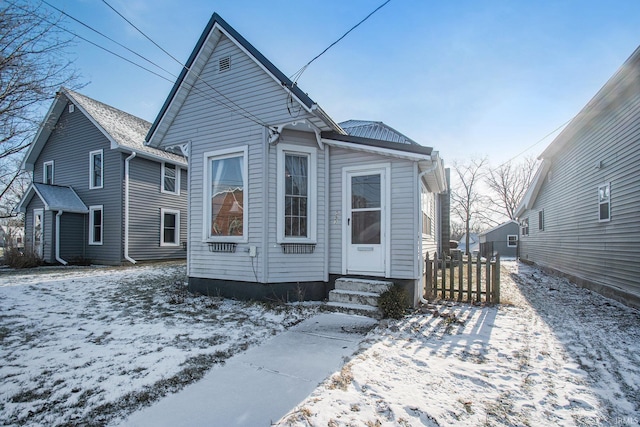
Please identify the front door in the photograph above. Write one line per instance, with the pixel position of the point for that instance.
(37, 231)
(366, 222)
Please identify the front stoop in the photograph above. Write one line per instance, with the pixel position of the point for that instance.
(358, 296)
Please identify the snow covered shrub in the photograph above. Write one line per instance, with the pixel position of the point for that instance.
(393, 302)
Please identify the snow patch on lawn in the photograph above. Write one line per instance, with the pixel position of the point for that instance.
(87, 346)
(551, 354)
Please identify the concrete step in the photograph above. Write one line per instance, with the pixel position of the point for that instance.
(354, 297)
(362, 285)
(358, 309)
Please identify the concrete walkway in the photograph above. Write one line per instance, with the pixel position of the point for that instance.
(261, 385)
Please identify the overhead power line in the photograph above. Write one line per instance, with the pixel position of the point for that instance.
(243, 112)
(298, 73)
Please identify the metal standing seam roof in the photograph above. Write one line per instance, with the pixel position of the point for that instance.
(375, 130)
(127, 130)
(56, 198)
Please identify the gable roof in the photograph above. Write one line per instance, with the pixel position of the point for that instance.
(375, 130)
(623, 81)
(498, 227)
(191, 70)
(123, 130)
(54, 197)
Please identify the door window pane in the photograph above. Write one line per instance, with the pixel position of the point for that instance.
(365, 191)
(366, 227)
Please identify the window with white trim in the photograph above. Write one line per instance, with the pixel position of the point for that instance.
(524, 227)
(512, 240)
(169, 227)
(96, 169)
(604, 202)
(47, 172)
(427, 211)
(225, 192)
(296, 203)
(170, 178)
(96, 225)
(541, 220)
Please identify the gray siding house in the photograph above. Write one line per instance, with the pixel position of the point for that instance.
(580, 216)
(283, 200)
(98, 192)
(502, 239)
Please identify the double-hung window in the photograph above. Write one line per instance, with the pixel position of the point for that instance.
(225, 192)
(47, 172)
(296, 203)
(512, 240)
(427, 212)
(604, 203)
(96, 225)
(96, 163)
(524, 226)
(169, 227)
(170, 178)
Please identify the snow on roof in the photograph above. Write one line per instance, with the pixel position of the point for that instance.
(375, 130)
(126, 130)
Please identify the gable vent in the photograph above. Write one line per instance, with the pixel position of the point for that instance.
(72, 108)
(224, 64)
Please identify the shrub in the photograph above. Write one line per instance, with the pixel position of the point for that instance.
(393, 302)
(15, 258)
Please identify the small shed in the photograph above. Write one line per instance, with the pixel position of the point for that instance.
(502, 239)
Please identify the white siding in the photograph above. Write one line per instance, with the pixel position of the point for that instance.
(573, 240)
(403, 210)
(209, 126)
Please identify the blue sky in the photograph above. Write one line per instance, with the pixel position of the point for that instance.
(469, 78)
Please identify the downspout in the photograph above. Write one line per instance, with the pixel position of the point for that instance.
(433, 167)
(126, 208)
(327, 201)
(60, 260)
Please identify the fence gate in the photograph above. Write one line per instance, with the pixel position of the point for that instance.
(463, 278)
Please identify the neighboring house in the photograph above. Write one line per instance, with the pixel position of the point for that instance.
(98, 192)
(11, 236)
(580, 216)
(502, 239)
(474, 244)
(283, 199)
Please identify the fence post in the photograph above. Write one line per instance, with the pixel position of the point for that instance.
(427, 276)
(478, 279)
(488, 280)
(451, 274)
(496, 279)
(444, 276)
(469, 280)
(435, 275)
(460, 272)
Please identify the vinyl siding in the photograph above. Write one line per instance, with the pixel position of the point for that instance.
(403, 211)
(573, 240)
(210, 126)
(78, 225)
(145, 203)
(497, 239)
(296, 267)
(69, 146)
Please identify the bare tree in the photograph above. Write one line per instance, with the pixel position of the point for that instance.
(33, 66)
(507, 185)
(466, 201)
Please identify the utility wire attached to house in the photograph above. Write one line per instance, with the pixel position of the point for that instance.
(235, 107)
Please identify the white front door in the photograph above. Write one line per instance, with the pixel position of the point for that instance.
(365, 221)
(37, 231)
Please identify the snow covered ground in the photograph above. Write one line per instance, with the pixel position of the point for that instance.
(88, 346)
(552, 354)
